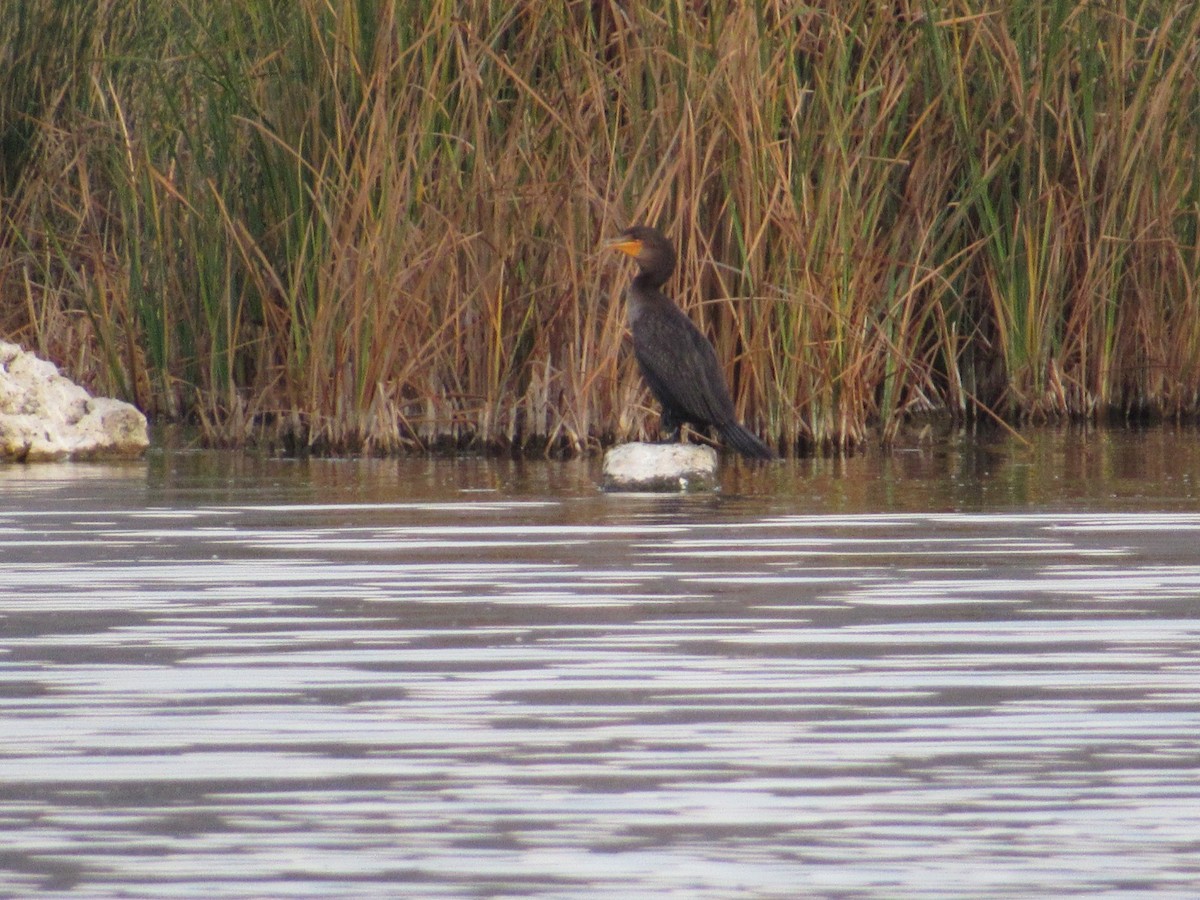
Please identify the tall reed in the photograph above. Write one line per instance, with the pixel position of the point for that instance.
(369, 225)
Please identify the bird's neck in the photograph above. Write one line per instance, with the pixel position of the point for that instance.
(650, 281)
(642, 297)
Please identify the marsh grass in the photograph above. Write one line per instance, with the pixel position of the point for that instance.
(372, 226)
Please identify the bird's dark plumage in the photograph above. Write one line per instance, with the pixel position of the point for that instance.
(677, 361)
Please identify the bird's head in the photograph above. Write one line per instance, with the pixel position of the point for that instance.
(652, 251)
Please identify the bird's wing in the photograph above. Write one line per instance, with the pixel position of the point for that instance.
(681, 367)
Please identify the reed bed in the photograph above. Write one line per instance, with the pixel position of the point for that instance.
(373, 226)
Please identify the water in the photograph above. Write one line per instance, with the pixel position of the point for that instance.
(971, 668)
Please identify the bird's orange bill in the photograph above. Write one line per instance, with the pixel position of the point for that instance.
(632, 246)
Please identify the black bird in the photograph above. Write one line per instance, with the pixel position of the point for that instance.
(677, 361)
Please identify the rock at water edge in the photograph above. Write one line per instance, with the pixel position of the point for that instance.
(660, 468)
(45, 416)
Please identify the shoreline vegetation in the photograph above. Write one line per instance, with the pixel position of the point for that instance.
(374, 226)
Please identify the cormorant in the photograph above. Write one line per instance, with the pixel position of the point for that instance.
(677, 361)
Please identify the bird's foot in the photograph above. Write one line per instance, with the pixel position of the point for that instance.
(673, 437)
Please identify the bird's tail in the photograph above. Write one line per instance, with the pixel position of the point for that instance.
(745, 443)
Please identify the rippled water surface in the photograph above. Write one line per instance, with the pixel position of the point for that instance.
(969, 669)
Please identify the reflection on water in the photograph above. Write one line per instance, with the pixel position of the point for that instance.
(962, 670)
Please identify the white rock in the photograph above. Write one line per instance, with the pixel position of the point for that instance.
(44, 416)
(660, 467)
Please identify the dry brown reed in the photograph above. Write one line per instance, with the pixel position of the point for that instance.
(371, 226)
